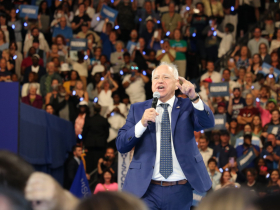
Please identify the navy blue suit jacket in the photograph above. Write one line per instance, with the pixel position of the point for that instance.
(185, 119)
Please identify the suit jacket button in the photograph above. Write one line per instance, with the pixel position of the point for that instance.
(207, 112)
(153, 166)
(129, 138)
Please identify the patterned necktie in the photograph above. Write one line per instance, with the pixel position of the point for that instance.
(166, 164)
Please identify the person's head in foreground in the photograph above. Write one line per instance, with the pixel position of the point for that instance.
(112, 201)
(14, 171)
(227, 199)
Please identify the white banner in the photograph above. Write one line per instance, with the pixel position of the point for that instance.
(123, 165)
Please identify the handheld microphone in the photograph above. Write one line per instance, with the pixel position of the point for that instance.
(156, 96)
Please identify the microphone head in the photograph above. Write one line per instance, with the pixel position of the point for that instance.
(156, 95)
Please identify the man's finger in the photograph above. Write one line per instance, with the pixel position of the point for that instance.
(182, 79)
(179, 86)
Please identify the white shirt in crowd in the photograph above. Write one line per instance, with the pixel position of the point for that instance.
(104, 98)
(215, 76)
(177, 173)
(116, 120)
(90, 12)
(225, 44)
(206, 155)
(275, 44)
(136, 89)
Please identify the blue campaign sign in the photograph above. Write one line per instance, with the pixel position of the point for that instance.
(28, 10)
(240, 141)
(219, 89)
(80, 187)
(245, 160)
(274, 129)
(78, 44)
(266, 70)
(197, 197)
(108, 12)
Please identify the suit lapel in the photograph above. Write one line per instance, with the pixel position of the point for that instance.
(152, 126)
(174, 115)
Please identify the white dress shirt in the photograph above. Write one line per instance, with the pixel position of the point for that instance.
(206, 155)
(177, 173)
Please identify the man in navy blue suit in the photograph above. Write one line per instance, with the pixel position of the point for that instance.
(167, 164)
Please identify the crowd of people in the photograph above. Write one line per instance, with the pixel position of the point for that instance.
(94, 88)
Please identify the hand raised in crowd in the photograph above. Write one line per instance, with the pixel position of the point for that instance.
(45, 193)
(149, 115)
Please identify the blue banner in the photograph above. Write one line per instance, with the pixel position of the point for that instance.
(266, 70)
(108, 12)
(245, 160)
(78, 44)
(219, 89)
(197, 197)
(240, 141)
(80, 187)
(29, 11)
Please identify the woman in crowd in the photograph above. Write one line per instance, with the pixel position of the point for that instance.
(91, 44)
(104, 90)
(180, 46)
(233, 131)
(92, 86)
(263, 174)
(266, 113)
(49, 109)
(79, 92)
(275, 43)
(81, 66)
(32, 98)
(10, 61)
(44, 20)
(273, 186)
(61, 45)
(263, 51)
(70, 85)
(256, 64)
(116, 58)
(256, 126)
(32, 79)
(17, 56)
(16, 24)
(3, 44)
(67, 11)
(5, 74)
(106, 183)
(275, 60)
(54, 91)
(83, 113)
(244, 59)
(226, 181)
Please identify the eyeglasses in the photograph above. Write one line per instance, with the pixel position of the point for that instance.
(134, 67)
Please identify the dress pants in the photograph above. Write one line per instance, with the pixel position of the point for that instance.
(176, 197)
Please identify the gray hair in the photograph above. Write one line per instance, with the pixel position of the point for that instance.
(171, 67)
(120, 42)
(33, 85)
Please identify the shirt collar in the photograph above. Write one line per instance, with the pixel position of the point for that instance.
(77, 159)
(170, 102)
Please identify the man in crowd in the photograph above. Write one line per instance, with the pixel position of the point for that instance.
(224, 151)
(134, 84)
(95, 134)
(73, 165)
(35, 67)
(211, 73)
(236, 103)
(63, 29)
(204, 150)
(108, 162)
(46, 80)
(171, 21)
(215, 175)
(166, 54)
(272, 152)
(247, 113)
(255, 42)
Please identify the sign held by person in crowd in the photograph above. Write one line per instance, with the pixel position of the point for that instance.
(28, 11)
(220, 122)
(266, 70)
(108, 12)
(245, 160)
(78, 44)
(80, 187)
(123, 165)
(219, 89)
(274, 129)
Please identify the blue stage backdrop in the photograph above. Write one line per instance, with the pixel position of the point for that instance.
(9, 112)
(45, 140)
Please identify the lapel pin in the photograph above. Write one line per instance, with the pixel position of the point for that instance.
(178, 107)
